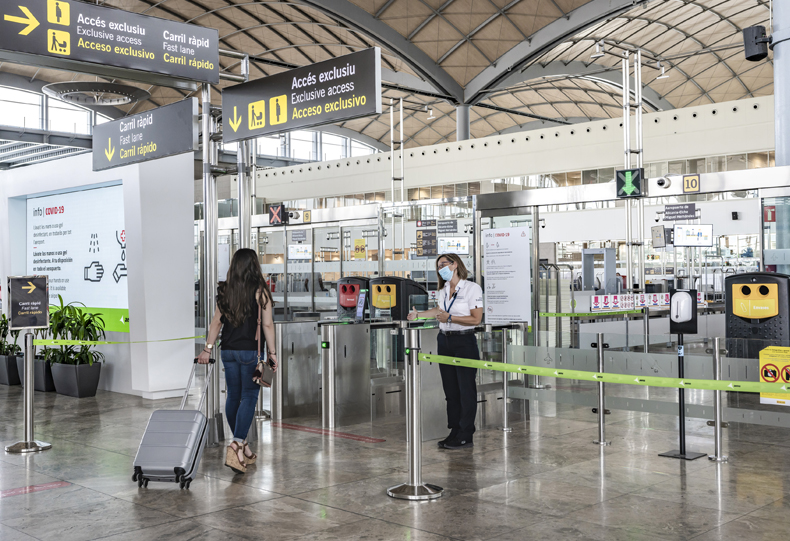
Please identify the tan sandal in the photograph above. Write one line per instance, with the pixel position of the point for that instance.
(251, 457)
(234, 458)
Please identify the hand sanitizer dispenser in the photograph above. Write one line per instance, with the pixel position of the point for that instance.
(683, 311)
(680, 307)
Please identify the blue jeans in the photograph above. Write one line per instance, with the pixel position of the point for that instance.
(242, 391)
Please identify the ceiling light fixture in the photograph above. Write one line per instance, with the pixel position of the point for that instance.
(600, 50)
(95, 93)
(663, 75)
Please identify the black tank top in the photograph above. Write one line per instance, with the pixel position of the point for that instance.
(242, 338)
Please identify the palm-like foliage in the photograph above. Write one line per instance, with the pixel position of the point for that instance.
(6, 347)
(70, 322)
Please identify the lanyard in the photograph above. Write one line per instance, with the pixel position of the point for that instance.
(446, 309)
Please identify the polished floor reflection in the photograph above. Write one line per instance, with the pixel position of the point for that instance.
(544, 480)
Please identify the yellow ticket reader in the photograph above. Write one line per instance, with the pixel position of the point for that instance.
(757, 308)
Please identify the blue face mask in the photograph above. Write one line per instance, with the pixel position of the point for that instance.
(446, 273)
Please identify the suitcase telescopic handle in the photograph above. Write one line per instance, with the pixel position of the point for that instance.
(189, 384)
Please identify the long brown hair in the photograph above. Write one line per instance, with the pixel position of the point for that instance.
(461, 271)
(243, 282)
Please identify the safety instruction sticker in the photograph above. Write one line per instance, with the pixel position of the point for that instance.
(775, 368)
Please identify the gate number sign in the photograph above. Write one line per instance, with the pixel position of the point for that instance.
(690, 183)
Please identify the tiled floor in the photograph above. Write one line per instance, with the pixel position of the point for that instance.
(545, 480)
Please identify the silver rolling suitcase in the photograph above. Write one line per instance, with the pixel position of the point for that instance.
(173, 442)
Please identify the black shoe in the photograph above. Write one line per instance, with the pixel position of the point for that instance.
(459, 444)
(449, 438)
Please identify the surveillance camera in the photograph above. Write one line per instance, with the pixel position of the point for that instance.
(543, 226)
(657, 220)
(663, 182)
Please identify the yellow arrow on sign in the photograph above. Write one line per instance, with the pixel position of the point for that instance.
(110, 152)
(235, 122)
(31, 22)
(30, 287)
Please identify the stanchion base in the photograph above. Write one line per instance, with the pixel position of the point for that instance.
(214, 435)
(539, 386)
(263, 415)
(415, 492)
(714, 458)
(506, 429)
(28, 447)
(602, 443)
(688, 456)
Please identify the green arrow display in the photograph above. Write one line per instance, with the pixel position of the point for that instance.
(628, 187)
(645, 381)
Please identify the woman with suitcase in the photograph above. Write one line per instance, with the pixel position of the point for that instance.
(243, 301)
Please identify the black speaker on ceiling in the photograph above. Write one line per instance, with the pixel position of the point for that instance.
(755, 43)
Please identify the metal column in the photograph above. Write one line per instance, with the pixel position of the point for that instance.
(717, 410)
(245, 203)
(629, 270)
(781, 66)
(414, 489)
(210, 217)
(29, 444)
(462, 125)
(601, 393)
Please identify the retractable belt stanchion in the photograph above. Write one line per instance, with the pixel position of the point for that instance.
(29, 444)
(601, 406)
(414, 489)
(717, 422)
(505, 381)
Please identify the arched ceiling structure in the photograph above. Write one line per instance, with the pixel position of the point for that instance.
(521, 64)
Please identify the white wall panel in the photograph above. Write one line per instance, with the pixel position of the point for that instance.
(707, 130)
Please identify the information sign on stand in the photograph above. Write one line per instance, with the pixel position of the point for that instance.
(91, 39)
(331, 91)
(164, 131)
(28, 302)
(507, 271)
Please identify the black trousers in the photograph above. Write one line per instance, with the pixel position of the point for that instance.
(460, 387)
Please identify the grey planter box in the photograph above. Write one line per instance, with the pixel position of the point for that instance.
(77, 380)
(42, 374)
(9, 375)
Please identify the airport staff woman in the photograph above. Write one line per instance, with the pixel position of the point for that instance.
(459, 311)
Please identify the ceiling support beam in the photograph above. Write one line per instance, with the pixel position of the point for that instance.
(362, 21)
(542, 41)
(595, 72)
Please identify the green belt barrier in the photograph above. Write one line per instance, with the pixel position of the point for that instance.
(645, 381)
(588, 314)
(104, 342)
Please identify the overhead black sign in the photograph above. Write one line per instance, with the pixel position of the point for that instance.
(87, 33)
(426, 243)
(684, 211)
(338, 89)
(28, 302)
(447, 226)
(629, 183)
(160, 132)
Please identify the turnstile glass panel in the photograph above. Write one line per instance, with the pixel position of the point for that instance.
(271, 254)
(300, 276)
(327, 268)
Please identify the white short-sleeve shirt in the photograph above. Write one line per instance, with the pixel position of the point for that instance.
(468, 296)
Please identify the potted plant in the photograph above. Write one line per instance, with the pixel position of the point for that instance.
(75, 369)
(9, 375)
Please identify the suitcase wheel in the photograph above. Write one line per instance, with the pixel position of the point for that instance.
(134, 476)
(184, 484)
(139, 482)
(189, 482)
(145, 483)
